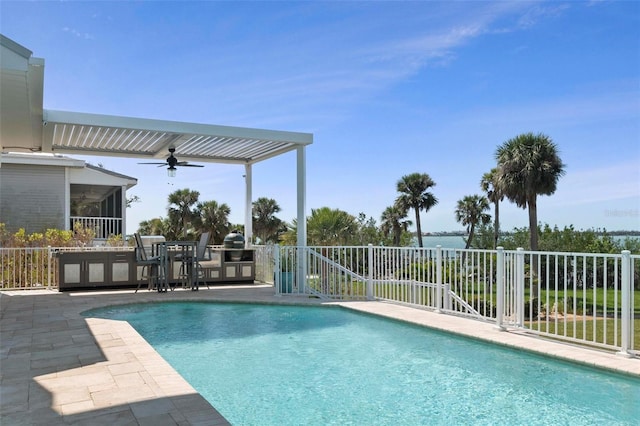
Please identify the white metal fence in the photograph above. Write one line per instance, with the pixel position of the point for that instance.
(579, 297)
(263, 257)
(35, 267)
(26, 268)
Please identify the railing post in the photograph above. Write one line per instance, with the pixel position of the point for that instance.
(438, 278)
(627, 309)
(49, 267)
(276, 268)
(370, 275)
(500, 288)
(301, 273)
(520, 287)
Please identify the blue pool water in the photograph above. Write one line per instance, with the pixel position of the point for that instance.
(294, 365)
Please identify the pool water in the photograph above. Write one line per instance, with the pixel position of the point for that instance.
(298, 365)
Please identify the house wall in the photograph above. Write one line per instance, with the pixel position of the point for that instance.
(32, 197)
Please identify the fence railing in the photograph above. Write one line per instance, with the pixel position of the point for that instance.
(579, 297)
(36, 267)
(103, 227)
(27, 268)
(263, 258)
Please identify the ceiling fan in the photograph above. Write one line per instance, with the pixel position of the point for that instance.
(173, 162)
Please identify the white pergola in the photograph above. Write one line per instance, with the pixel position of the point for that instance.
(26, 126)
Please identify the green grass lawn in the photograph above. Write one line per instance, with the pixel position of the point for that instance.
(585, 298)
(589, 325)
(584, 301)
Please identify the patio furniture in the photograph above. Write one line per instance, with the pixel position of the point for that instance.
(188, 272)
(192, 267)
(150, 265)
(171, 252)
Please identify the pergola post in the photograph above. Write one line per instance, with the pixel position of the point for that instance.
(302, 196)
(302, 221)
(248, 211)
(123, 211)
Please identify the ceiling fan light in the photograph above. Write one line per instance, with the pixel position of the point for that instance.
(171, 171)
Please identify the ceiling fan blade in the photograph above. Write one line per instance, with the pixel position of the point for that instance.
(172, 162)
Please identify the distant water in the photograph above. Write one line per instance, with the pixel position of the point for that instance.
(446, 241)
(457, 242)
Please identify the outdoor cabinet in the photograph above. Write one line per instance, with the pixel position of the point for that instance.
(122, 267)
(90, 269)
(239, 270)
(82, 269)
(116, 268)
(212, 274)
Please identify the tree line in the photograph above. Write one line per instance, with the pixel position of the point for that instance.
(527, 166)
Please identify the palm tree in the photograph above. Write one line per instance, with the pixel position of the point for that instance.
(489, 184)
(266, 225)
(288, 236)
(180, 213)
(392, 222)
(413, 189)
(155, 226)
(213, 218)
(330, 227)
(470, 212)
(528, 166)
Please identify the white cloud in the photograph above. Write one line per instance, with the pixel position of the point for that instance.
(541, 11)
(611, 183)
(563, 110)
(77, 33)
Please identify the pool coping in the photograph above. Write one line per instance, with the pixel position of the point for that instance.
(58, 367)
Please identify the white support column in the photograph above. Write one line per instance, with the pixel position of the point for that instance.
(302, 196)
(302, 220)
(248, 212)
(438, 279)
(520, 278)
(500, 288)
(124, 212)
(277, 277)
(67, 199)
(370, 275)
(627, 307)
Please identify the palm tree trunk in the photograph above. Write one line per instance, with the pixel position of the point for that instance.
(418, 227)
(397, 232)
(533, 223)
(496, 226)
(533, 239)
(470, 236)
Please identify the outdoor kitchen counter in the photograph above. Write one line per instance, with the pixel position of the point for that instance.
(99, 269)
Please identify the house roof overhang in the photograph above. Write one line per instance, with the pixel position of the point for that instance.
(21, 96)
(80, 171)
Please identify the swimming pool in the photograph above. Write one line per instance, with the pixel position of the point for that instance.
(273, 364)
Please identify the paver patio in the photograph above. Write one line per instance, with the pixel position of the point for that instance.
(57, 367)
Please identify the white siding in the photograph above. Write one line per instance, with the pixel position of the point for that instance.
(32, 197)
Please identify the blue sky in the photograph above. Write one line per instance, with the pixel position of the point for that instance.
(387, 89)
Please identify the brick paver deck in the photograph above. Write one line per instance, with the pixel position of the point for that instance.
(58, 368)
